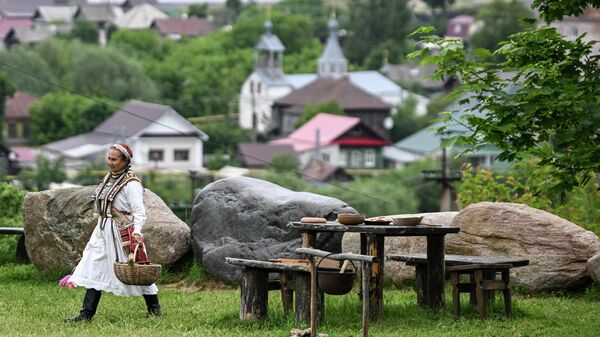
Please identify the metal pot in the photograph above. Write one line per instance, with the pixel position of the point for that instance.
(334, 283)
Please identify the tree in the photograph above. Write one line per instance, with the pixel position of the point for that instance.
(406, 121)
(311, 111)
(28, 70)
(139, 43)
(200, 11)
(7, 88)
(372, 22)
(500, 20)
(314, 9)
(47, 171)
(549, 108)
(61, 115)
(85, 31)
(109, 73)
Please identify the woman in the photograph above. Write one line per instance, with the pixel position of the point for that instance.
(118, 200)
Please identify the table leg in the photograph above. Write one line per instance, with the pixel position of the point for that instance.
(435, 272)
(309, 240)
(375, 247)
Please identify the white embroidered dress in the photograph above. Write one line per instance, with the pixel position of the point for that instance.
(95, 270)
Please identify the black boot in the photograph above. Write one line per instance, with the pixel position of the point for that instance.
(152, 305)
(90, 304)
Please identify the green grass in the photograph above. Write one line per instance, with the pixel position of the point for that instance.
(32, 304)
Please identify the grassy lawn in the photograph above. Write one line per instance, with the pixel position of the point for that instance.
(32, 304)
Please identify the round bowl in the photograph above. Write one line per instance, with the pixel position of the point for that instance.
(350, 219)
(407, 220)
(378, 221)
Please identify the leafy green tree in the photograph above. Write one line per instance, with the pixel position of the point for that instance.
(406, 121)
(224, 136)
(7, 88)
(549, 109)
(28, 71)
(108, 73)
(304, 61)
(315, 9)
(311, 111)
(295, 31)
(441, 4)
(198, 10)
(372, 22)
(47, 171)
(524, 183)
(500, 20)
(139, 43)
(11, 200)
(284, 163)
(85, 31)
(61, 115)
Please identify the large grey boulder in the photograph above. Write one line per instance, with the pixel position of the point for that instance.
(247, 218)
(58, 224)
(557, 249)
(398, 272)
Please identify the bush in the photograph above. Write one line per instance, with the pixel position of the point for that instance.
(527, 183)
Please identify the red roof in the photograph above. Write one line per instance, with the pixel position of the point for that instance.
(459, 26)
(331, 128)
(6, 24)
(361, 141)
(185, 27)
(18, 105)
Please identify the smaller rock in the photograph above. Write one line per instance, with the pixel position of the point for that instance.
(593, 267)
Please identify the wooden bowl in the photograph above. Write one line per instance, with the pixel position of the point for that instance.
(407, 220)
(350, 219)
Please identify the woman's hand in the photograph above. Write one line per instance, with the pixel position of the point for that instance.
(137, 238)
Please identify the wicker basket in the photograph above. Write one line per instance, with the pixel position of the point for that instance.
(136, 274)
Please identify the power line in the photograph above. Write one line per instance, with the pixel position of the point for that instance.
(75, 92)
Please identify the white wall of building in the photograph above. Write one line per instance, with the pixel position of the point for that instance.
(257, 97)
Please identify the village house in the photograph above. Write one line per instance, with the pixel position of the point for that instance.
(342, 141)
(16, 118)
(178, 28)
(267, 83)
(160, 138)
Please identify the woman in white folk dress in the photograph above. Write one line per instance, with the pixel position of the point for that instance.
(119, 196)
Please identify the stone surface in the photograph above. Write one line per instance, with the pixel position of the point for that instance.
(247, 218)
(58, 224)
(397, 272)
(593, 267)
(557, 249)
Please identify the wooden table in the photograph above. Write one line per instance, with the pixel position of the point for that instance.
(372, 243)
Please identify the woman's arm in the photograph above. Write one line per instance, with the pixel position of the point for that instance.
(134, 192)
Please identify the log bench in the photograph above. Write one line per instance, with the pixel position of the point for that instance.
(255, 286)
(419, 260)
(21, 250)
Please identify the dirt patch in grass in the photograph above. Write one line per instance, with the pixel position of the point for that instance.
(208, 285)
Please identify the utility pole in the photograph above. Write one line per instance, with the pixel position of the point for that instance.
(444, 177)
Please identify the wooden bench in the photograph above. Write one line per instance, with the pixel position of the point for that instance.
(21, 250)
(419, 260)
(482, 281)
(255, 286)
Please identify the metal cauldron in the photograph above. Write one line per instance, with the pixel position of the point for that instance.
(332, 282)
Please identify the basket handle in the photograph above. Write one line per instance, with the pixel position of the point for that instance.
(131, 259)
(344, 265)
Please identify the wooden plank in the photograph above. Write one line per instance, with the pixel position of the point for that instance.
(387, 230)
(375, 249)
(12, 230)
(472, 267)
(266, 265)
(453, 260)
(336, 256)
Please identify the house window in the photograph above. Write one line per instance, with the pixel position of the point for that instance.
(574, 31)
(181, 155)
(156, 155)
(12, 129)
(258, 87)
(355, 159)
(344, 159)
(370, 158)
(325, 157)
(26, 129)
(251, 87)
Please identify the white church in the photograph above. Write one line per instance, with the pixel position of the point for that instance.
(267, 82)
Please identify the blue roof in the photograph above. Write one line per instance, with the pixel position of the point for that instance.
(269, 42)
